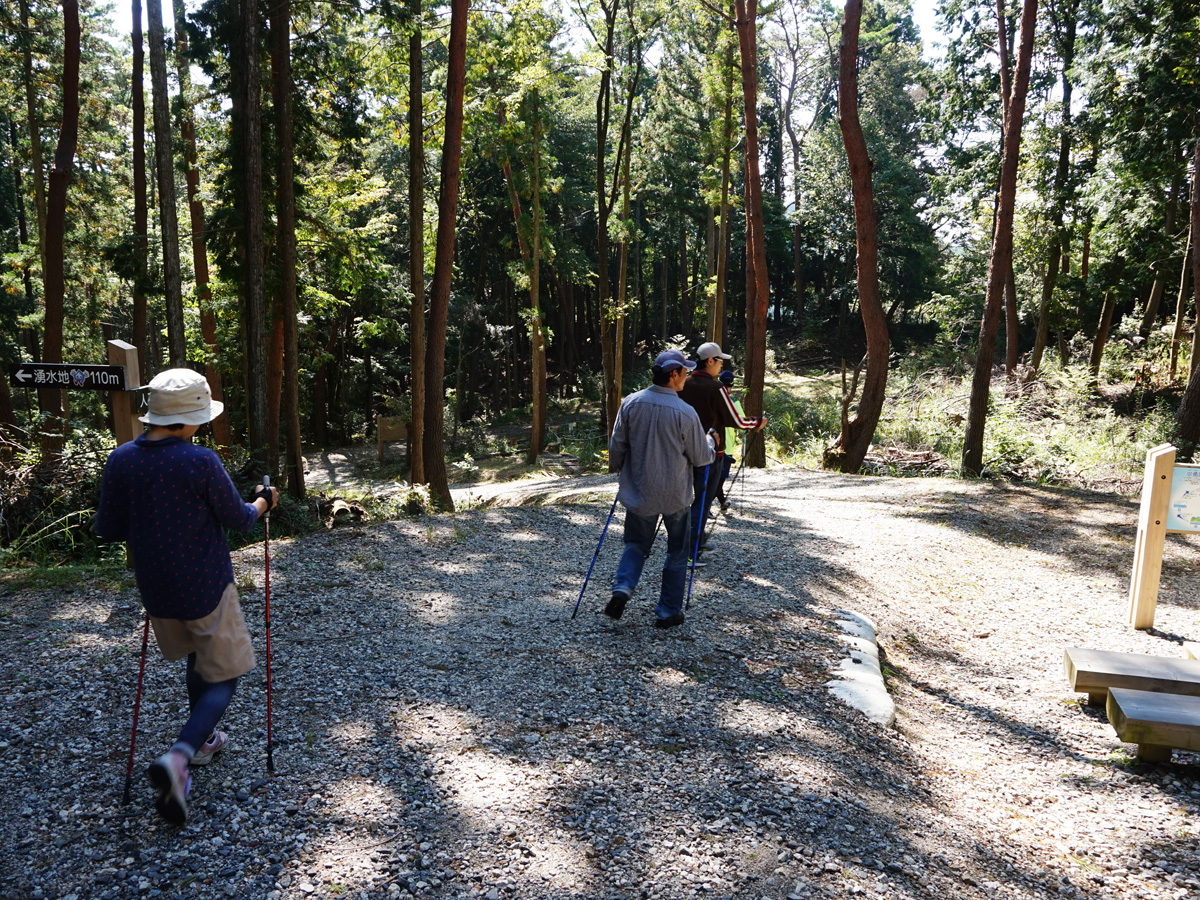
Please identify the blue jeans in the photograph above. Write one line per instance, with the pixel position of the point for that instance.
(704, 495)
(639, 539)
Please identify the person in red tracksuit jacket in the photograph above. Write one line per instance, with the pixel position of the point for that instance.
(705, 394)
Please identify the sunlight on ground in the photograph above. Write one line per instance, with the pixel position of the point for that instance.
(752, 718)
(671, 678)
(525, 537)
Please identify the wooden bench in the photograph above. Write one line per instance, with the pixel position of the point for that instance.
(1158, 723)
(1096, 671)
(389, 428)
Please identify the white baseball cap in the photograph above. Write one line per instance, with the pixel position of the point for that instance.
(183, 396)
(709, 350)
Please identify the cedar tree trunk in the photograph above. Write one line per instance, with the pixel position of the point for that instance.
(848, 451)
(1002, 244)
(443, 267)
(757, 289)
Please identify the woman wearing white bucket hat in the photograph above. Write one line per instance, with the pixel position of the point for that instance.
(171, 502)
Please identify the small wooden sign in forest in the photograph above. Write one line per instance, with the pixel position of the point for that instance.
(1170, 504)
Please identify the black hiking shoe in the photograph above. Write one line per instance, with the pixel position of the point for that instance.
(616, 606)
(669, 621)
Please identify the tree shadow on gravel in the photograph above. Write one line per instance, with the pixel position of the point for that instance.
(1092, 532)
(445, 730)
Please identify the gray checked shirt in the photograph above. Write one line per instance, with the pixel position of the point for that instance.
(656, 441)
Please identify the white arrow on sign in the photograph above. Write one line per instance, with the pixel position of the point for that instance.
(22, 376)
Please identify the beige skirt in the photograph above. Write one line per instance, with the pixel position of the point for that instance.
(220, 640)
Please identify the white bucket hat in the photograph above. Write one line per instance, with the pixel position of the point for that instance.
(181, 396)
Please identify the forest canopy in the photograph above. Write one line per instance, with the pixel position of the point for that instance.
(346, 210)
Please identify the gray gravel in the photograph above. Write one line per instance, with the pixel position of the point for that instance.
(446, 731)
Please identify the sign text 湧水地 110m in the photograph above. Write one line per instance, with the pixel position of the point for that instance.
(70, 376)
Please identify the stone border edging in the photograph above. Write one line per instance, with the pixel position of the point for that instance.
(859, 679)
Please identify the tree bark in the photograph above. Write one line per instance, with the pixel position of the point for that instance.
(757, 289)
(1102, 332)
(1188, 417)
(1012, 325)
(848, 451)
(537, 340)
(37, 164)
(50, 399)
(281, 18)
(1181, 301)
(208, 318)
(716, 331)
(443, 268)
(248, 165)
(416, 247)
(1002, 243)
(168, 216)
(140, 210)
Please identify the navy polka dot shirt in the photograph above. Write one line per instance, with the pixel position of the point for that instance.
(171, 501)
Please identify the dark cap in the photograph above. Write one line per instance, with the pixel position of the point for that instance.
(669, 360)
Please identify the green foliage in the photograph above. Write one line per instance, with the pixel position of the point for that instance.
(45, 518)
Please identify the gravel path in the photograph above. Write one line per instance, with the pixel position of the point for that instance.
(446, 731)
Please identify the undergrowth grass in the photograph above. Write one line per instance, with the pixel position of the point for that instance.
(1056, 430)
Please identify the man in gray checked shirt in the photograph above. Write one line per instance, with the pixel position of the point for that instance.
(656, 441)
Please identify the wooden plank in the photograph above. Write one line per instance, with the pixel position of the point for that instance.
(1094, 672)
(125, 407)
(1152, 535)
(1155, 721)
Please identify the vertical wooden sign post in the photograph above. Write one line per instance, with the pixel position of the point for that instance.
(126, 427)
(1151, 536)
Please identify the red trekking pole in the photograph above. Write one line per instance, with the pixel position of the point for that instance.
(137, 707)
(267, 590)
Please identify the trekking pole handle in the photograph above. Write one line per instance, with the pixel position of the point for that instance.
(267, 484)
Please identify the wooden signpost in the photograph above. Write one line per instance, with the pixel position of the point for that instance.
(121, 378)
(1170, 504)
(126, 427)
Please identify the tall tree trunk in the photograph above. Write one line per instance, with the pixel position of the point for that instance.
(536, 333)
(281, 16)
(603, 211)
(168, 216)
(1181, 301)
(416, 247)
(208, 318)
(1102, 332)
(22, 237)
(1188, 417)
(37, 166)
(848, 451)
(1012, 325)
(443, 267)
(54, 277)
(1002, 243)
(140, 211)
(716, 330)
(248, 175)
(757, 289)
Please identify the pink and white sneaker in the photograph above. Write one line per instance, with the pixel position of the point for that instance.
(169, 775)
(210, 748)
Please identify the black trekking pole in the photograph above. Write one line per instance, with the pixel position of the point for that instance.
(267, 591)
(588, 577)
(696, 547)
(736, 475)
(137, 708)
